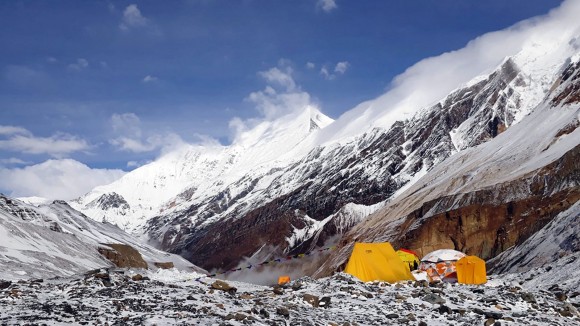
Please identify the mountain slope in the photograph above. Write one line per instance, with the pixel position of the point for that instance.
(55, 240)
(488, 198)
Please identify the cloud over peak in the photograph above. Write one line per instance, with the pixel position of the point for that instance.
(131, 138)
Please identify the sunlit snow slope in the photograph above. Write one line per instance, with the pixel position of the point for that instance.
(55, 240)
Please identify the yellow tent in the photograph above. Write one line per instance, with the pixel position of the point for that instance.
(409, 258)
(376, 262)
(471, 270)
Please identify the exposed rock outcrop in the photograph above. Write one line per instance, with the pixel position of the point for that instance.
(123, 255)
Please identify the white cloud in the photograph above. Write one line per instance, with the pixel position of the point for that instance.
(13, 161)
(12, 130)
(281, 96)
(58, 145)
(79, 65)
(51, 60)
(131, 138)
(273, 102)
(55, 179)
(282, 77)
(132, 18)
(326, 5)
(149, 79)
(341, 67)
(326, 74)
(310, 65)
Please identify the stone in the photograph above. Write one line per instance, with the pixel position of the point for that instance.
(324, 302)
(443, 309)
(240, 316)
(422, 283)
(137, 277)
(392, 316)
(68, 309)
(311, 299)
(411, 317)
(4, 284)
(433, 299)
(278, 290)
(422, 323)
(123, 255)
(264, 313)
(528, 297)
(223, 286)
(283, 312)
(400, 297)
(296, 286)
(561, 296)
(489, 322)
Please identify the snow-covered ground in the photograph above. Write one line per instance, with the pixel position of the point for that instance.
(163, 297)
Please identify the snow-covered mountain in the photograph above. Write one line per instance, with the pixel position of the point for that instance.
(486, 199)
(55, 240)
(296, 182)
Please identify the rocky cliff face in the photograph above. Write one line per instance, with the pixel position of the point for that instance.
(492, 197)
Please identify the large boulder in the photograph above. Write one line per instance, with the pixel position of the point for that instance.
(123, 255)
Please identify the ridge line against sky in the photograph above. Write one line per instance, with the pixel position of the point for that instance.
(133, 79)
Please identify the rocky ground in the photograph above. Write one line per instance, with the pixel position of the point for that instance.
(132, 297)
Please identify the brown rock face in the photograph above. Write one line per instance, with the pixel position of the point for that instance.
(123, 256)
(486, 226)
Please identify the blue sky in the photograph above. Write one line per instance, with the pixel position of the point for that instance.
(104, 86)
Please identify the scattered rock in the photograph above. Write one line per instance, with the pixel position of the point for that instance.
(421, 283)
(443, 309)
(489, 322)
(240, 316)
(422, 323)
(223, 286)
(137, 277)
(561, 296)
(392, 316)
(324, 302)
(282, 311)
(68, 309)
(278, 290)
(433, 299)
(4, 284)
(528, 297)
(312, 299)
(296, 286)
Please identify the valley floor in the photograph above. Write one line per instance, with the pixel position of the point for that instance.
(120, 297)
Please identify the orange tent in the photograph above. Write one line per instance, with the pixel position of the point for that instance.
(283, 280)
(471, 270)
